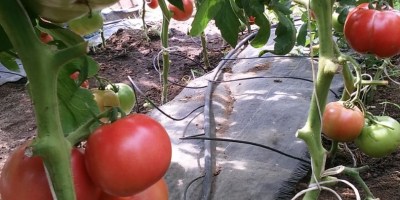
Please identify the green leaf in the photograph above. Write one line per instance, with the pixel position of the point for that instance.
(238, 11)
(177, 3)
(302, 35)
(64, 36)
(207, 11)
(5, 43)
(9, 62)
(275, 5)
(228, 23)
(76, 104)
(285, 35)
(343, 15)
(264, 32)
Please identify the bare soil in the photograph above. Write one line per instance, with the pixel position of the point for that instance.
(128, 53)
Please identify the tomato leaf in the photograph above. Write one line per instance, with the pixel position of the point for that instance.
(177, 3)
(5, 43)
(76, 104)
(207, 11)
(64, 36)
(9, 62)
(229, 31)
(263, 33)
(302, 35)
(285, 35)
(238, 12)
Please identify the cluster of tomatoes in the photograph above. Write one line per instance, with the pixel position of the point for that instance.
(122, 160)
(375, 136)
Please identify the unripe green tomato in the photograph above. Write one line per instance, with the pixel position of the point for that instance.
(86, 24)
(60, 11)
(126, 97)
(378, 141)
(338, 27)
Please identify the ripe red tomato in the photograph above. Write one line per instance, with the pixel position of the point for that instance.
(251, 20)
(24, 177)
(180, 15)
(75, 75)
(152, 3)
(128, 155)
(376, 31)
(158, 191)
(45, 37)
(340, 123)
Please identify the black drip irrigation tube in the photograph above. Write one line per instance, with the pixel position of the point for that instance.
(209, 131)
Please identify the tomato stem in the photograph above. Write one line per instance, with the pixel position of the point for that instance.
(41, 65)
(355, 174)
(84, 131)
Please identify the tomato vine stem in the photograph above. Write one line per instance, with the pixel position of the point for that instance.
(165, 53)
(311, 132)
(42, 65)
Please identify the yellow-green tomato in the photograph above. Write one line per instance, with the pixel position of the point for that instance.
(87, 24)
(126, 96)
(338, 27)
(379, 140)
(105, 98)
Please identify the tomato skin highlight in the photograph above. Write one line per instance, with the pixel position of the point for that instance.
(24, 177)
(180, 15)
(152, 4)
(128, 155)
(376, 31)
(378, 141)
(342, 124)
(158, 191)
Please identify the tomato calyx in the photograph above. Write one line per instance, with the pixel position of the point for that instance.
(379, 5)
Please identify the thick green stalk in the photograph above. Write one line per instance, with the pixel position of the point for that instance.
(41, 66)
(311, 132)
(205, 53)
(355, 173)
(143, 20)
(164, 41)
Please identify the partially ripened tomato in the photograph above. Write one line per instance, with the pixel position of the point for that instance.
(87, 24)
(340, 123)
(129, 155)
(152, 3)
(45, 37)
(379, 140)
(158, 191)
(126, 96)
(376, 31)
(180, 15)
(24, 177)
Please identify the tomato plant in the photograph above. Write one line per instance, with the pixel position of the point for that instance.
(87, 24)
(180, 15)
(128, 155)
(75, 75)
(24, 177)
(152, 4)
(45, 37)
(125, 95)
(377, 23)
(379, 139)
(340, 123)
(158, 191)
